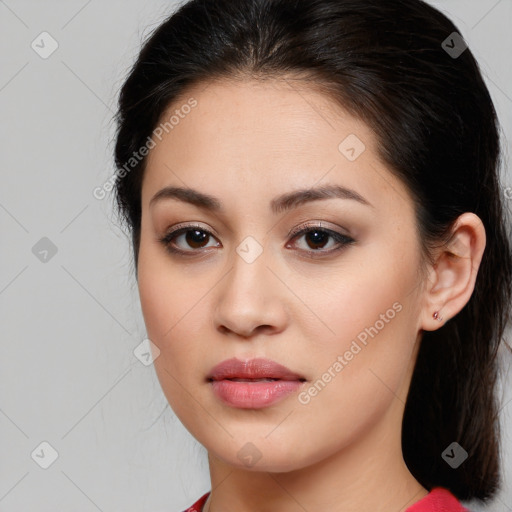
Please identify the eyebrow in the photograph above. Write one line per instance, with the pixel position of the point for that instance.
(279, 204)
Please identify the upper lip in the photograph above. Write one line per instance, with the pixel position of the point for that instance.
(258, 368)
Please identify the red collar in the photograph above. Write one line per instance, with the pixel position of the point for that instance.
(198, 505)
(438, 499)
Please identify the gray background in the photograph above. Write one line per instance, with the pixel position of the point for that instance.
(68, 375)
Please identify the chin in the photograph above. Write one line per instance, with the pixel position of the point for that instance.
(262, 455)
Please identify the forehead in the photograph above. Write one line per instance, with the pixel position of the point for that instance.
(280, 114)
(264, 136)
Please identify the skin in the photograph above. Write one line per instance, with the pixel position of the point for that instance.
(247, 142)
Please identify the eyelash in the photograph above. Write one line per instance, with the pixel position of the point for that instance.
(342, 240)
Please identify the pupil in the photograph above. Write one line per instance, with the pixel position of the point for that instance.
(319, 237)
(197, 238)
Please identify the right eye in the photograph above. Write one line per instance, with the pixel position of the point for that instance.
(193, 235)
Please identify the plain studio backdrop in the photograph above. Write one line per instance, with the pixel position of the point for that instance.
(73, 395)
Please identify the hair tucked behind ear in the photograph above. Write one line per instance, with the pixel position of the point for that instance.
(437, 131)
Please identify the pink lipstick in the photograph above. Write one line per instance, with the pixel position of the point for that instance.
(252, 384)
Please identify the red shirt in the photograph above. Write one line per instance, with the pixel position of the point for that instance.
(437, 500)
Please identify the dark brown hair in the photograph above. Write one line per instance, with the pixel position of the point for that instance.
(385, 62)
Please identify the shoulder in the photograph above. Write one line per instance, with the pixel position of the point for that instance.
(438, 499)
(198, 505)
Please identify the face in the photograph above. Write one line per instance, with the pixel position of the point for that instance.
(326, 285)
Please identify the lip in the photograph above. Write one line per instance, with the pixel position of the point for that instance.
(258, 368)
(239, 383)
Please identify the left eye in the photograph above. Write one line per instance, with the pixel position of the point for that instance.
(196, 237)
(317, 237)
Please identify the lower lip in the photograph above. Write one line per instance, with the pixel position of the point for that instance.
(254, 395)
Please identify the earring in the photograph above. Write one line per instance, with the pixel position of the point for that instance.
(436, 316)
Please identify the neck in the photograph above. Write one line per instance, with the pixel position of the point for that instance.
(369, 474)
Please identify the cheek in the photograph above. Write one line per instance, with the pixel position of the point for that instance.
(361, 374)
(373, 289)
(158, 307)
(172, 311)
(161, 309)
(175, 310)
(364, 341)
(172, 316)
(372, 338)
(163, 291)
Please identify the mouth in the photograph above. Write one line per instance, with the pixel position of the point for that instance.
(252, 370)
(253, 384)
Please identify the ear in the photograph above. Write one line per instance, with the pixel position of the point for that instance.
(452, 277)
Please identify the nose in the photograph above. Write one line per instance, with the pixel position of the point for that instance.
(251, 299)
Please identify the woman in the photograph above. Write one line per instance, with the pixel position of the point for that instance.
(321, 251)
